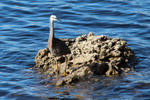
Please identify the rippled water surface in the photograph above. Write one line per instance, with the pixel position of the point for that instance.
(24, 29)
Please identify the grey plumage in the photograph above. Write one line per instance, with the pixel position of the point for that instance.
(56, 46)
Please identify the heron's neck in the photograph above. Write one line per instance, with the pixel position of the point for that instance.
(51, 35)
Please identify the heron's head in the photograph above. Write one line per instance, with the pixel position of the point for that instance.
(53, 17)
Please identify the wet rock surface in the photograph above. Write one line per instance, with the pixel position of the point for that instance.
(90, 55)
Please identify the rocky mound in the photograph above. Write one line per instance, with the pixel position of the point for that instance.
(90, 56)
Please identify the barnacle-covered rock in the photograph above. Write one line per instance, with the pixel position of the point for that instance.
(92, 55)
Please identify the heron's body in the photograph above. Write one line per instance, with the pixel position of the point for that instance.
(56, 46)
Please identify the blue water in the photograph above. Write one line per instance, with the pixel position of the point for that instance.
(24, 29)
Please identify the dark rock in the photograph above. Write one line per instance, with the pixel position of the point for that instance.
(92, 55)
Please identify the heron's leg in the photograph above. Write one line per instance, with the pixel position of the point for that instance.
(66, 60)
(56, 70)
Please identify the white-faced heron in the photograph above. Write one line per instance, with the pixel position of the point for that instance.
(56, 46)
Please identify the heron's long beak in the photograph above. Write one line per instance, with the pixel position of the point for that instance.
(58, 19)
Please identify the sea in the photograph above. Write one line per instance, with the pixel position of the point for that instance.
(24, 29)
